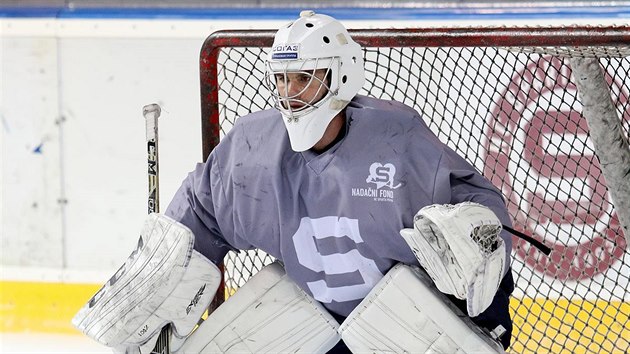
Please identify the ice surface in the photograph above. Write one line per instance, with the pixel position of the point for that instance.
(41, 343)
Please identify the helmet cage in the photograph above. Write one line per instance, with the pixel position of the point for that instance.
(283, 102)
(314, 41)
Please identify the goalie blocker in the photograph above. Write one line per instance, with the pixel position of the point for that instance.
(163, 281)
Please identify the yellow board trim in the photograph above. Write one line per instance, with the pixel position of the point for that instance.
(41, 307)
(580, 326)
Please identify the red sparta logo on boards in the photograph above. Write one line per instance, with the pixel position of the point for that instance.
(540, 154)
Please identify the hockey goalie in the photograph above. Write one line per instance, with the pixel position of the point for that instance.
(386, 240)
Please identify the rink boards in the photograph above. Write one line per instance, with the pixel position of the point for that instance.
(76, 226)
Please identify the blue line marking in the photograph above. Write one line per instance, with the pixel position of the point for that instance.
(347, 13)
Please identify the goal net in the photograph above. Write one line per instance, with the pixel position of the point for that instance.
(506, 100)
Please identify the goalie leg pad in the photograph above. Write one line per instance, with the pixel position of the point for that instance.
(163, 281)
(269, 314)
(406, 313)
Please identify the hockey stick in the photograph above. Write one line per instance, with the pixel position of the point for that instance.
(151, 114)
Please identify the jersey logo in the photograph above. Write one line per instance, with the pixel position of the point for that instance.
(316, 243)
(382, 176)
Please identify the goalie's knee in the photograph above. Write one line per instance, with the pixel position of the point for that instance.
(269, 314)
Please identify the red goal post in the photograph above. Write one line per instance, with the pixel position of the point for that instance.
(507, 101)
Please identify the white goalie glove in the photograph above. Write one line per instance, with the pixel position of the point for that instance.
(460, 248)
(163, 281)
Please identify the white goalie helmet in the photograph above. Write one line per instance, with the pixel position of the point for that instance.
(312, 42)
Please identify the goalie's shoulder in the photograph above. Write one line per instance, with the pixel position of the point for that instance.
(270, 113)
(266, 119)
(393, 117)
(395, 110)
(254, 130)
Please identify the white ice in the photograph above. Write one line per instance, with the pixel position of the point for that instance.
(39, 343)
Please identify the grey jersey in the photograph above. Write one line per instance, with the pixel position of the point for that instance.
(332, 218)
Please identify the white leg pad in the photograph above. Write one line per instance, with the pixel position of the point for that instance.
(405, 313)
(269, 314)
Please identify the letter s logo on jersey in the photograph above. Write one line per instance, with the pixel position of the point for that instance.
(382, 175)
(313, 240)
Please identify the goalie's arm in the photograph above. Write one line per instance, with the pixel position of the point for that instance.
(196, 205)
(457, 182)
